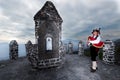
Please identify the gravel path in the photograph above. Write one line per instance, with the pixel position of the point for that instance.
(75, 68)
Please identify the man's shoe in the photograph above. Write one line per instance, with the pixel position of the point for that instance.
(93, 70)
(96, 68)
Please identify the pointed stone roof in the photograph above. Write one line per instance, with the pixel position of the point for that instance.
(13, 42)
(48, 12)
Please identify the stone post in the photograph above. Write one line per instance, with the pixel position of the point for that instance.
(108, 52)
(13, 50)
(80, 48)
(32, 54)
(70, 48)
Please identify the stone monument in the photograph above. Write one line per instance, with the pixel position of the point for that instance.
(80, 48)
(32, 54)
(70, 48)
(108, 52)
(13, 50)
(48, 29)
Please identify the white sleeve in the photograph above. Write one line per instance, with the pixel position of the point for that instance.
(96, 41)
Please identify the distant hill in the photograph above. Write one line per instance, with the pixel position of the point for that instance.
(117, 41)
(117, 51)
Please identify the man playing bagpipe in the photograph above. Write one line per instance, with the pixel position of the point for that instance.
(95, 43)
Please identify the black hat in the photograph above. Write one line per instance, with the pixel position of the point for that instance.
(96, 30)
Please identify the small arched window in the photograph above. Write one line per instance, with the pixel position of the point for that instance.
(80, 45)
(48, 43)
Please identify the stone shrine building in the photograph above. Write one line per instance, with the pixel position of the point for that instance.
(108, 52)
(48, 36)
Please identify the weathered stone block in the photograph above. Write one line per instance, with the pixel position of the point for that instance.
(109, 52)
(32, 53)
(13, 50)
(80, 48)
(70, 48)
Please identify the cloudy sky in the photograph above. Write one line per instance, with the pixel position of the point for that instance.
(79, 18)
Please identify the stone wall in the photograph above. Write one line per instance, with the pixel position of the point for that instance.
(32, 54)
(45, 63)
(109, 52)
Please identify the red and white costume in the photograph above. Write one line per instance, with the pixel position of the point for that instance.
(95, 41)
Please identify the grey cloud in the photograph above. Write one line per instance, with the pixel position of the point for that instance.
(102, 16)
(79, 17)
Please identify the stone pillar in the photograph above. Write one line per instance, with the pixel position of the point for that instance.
(117, 51)
(32, 54)
(13, 50)
(80, 48)
(62, 52)
(65, 48)
(70, 48)
(108, 52)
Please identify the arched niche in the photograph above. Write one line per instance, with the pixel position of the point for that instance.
(49, 43)
(80, 45)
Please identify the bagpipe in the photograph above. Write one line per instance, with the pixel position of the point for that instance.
(98, 45)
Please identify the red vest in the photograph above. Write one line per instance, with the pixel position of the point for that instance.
(98, 45)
